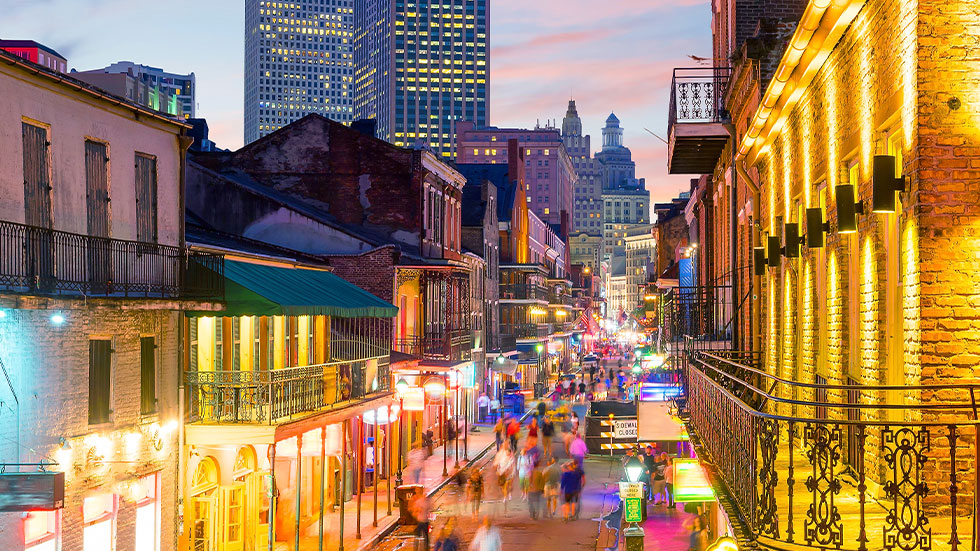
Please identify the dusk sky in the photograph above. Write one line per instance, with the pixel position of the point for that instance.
(610, 55)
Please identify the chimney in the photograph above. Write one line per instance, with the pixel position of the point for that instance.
(365, 126)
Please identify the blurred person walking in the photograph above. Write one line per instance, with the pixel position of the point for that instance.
(486, 538)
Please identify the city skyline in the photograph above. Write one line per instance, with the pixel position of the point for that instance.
(547, 51)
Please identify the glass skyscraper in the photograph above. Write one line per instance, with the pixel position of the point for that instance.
(299, 59)
(421, 66)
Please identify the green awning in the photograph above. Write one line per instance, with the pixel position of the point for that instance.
(262, 290)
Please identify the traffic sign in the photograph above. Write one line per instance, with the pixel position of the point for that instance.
(630, 490)
(633, 511)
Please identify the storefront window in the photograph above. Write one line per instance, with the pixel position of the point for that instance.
(42, 531)
(99, 517)
(146, 494)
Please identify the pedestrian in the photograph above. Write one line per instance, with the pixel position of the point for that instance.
(532, 431)
(535, 493)
(428, 442)
(698, 538)
(483, 406)
(592, 372)
(547, 434)
(577, 449)
(513, 431)
(669, 480)
(649, 467)
(581, 390)
(448, 539)
(572, 481)
(498, 432)
(552, 486)
(525, 464)
(476, 491)
(486, 538)
(503, 462)
(659, 479)
(494, 408)
(420, 511)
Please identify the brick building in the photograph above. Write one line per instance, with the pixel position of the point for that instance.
(857, 160)
(89, 309)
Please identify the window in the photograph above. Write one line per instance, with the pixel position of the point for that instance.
(42, 531)
(37, 175)
(99, 518)
(146, 198)
(148, 375)
(99, 381)
(146, 494)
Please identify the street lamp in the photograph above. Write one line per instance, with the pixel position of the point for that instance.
(400, 387)
(634, 469)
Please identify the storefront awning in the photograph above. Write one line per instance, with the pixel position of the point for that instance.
(264, 290)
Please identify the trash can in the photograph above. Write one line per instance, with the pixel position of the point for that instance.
(405, 494)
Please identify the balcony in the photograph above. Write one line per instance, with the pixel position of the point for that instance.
(453, 345)
(851, 467)
(523, 292)
(273, 396)
(527, 330)
(40, 261)
(695, 129)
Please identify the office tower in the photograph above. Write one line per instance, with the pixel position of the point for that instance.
(588, 187)
(299, 59)
(549, 172)
(421, 67)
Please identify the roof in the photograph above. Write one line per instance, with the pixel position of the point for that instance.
(498, 175)
(473, 207)
(612, 118)
(266, 290)
(28, 44)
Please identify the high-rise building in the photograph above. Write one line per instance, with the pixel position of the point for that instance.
(136, 90)
(615, 159)
(549, 171)
(587, 215)
(181, 87)
(299, 59)
(421, 67)
(624, 208)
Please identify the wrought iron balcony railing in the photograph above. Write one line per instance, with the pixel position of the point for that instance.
(272, 396)
(697, 95)
(527, 330)
(37, 260)
(523, 292)
(837, 466)
(447, 344)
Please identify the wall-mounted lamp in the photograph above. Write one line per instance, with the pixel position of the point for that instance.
(791, 236)
(772, 253)
(884, 184)
(847, 208)
(759, 260)
(815, 227)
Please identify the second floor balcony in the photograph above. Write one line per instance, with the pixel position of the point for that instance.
(524, 292)
(850, 466)
(526, 331)
(696, 119)
(440, 344)
(41, 261)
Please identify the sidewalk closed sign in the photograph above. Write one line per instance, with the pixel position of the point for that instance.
(630, 490)
(624, 428)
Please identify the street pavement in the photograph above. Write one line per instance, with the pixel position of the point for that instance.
(665, 529)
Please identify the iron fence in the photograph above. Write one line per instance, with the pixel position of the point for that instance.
(51, 262)
(910, 485)
(697, 95)
(523, 291)
(438, 344)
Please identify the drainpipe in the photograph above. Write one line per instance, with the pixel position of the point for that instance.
(17, 411)
(733, 223)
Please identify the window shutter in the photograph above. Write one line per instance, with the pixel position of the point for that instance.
(148, 375)
(99, 381)
(218, 345)
(192, 323)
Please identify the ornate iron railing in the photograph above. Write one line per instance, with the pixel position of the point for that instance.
(272, 396)
(870, 471)
(697, 95)
(527, 330)
(37, 260)
(438, 344)
(523, 292)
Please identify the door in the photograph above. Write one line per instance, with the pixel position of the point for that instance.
(97, 207)
(202, 523)
(256, 512)
(231, 531)
(39, 257)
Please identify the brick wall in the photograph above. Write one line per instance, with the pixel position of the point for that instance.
(49, 367)
(372, 271)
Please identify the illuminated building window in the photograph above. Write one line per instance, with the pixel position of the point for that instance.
(99, 518)
(42, 531)
(146, 494)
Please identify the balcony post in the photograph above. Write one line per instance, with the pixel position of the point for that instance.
(374, 475)
(388, 455)
(442, 431)
(274, 499)
(323, 468)
(343, 484)
(299, 486)
(359, 461)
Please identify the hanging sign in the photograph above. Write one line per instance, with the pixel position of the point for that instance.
(414, 399)
(690, 482)
(37, 491)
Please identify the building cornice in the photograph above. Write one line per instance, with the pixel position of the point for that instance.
(819, 30)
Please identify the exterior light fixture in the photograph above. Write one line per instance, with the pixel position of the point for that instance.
(847, 208)
(815, 228)
(772, 244)
(759, 260)
(401, 386)
(3, 314)
(57, 319)
(634, 469)
(791, 236)
(884, 184)
(539, 348)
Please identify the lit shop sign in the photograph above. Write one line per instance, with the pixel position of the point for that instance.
(690, 482)
(414, 399)
(380, 415)
(39, 491)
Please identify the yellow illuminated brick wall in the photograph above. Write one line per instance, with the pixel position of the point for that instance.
(905, 75)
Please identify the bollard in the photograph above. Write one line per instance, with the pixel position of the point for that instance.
(633, 537)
